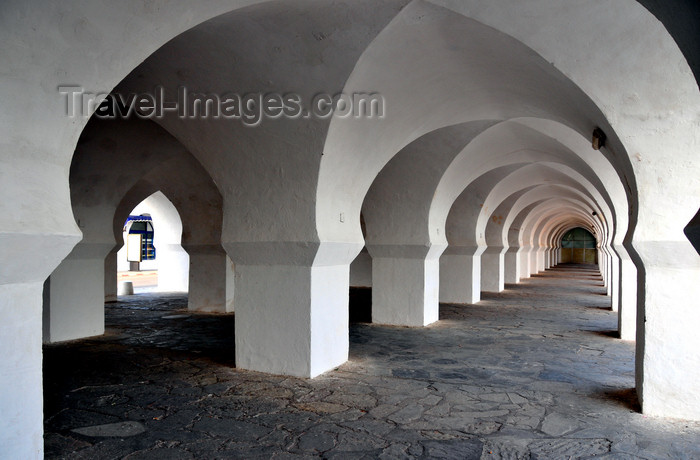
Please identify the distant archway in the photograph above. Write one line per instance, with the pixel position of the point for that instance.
(578, 246)
(171, 261)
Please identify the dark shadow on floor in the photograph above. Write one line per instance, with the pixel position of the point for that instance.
(149, 321)
(626, 398)
(612, 334)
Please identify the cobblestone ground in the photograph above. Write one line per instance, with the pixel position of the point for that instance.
(532, 373)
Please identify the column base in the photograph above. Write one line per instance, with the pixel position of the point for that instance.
(668, 360)
(291, 320)
(21, 404)
(292, 305)
(209, 279)
(405, 291)
(511, 262)
(460, 275)
(492, 270)
(405, 284)
(627, 300)
(74, 299)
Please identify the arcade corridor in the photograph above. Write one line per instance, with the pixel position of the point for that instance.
(534, 369)
(427, 156)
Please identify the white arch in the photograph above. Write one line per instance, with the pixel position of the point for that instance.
(172, 262)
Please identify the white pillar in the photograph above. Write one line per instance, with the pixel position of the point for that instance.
(540, 259)
(291, 306)
(627, 296)
(75, 294)
(614, 282)
(209, 279)
(173, 267)
(511, 264)
(608, 273)
(110, 276)
(534, 262)
(668, 343)
(21, 398)
(525, 253)
(460, 274)
(493, 269)
(603, 266)
(405, 284)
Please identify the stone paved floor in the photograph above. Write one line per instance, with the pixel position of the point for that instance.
(534, 372)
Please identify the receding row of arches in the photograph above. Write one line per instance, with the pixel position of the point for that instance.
(481, 162)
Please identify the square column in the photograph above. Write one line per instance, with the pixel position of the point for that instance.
(405, 291)
(627, 296)
(210, 279)
(110, 276)
(174, 267)
(291, 320)
(291, 306)
(460, 274)
(540, 260)
(525, 255)
(74, 295)
(534, 261)
(405, 284)
(604, 262)
(21, 288)
(668, 347)
(511, 262)
(493, 270)
(21, 399)
(614, 282)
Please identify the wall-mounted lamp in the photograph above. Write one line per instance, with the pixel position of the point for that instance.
(598, 139)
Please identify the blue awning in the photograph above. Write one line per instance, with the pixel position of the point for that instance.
(141, 218)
